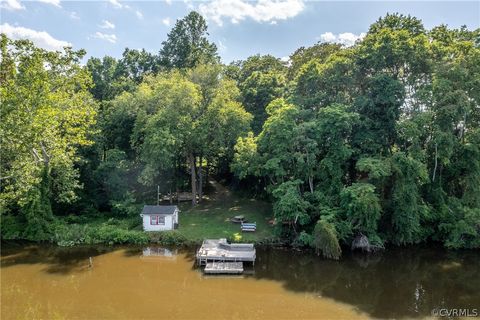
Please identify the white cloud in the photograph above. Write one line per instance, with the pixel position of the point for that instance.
(56, 3)
(259, 11)
(116, 4)
(221, 46)
(40, 38)
(286, 60)
(11, 5)
(107, 25)
(169, 2)
(328, 37)
(167, 21)
(107, 37)
(347, 39)
(74, 16)
(188, 3)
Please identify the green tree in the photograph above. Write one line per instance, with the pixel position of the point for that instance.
(326, 240)
(362, 208)
(379, 111)
(258, 90)
(47, 113)
(261, 79)
(187, 45)
(319, 83)
(186, 122)
(408, 209)
(289, 206)
(320, 52)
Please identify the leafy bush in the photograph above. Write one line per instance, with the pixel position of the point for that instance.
(113, 235)
(362, 206)
(126, 206)
(81, 219)
(70, 235)
(168, 238)
(11, 227)
(289, 205)
(304, 240)
(235, 237)
(326, 240)
(464, 232)
(107, 233)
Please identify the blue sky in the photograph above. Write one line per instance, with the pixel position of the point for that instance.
(240, 28)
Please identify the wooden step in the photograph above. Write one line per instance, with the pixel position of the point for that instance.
(223, 268)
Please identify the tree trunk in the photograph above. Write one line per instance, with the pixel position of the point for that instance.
(436, 163)
(200, 180)
(310, 183)
(207, 171)
(46, 156)
(193, 174)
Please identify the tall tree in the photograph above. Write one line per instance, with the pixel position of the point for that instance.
(47, 113)
(261, 79)
(320, 52)
(187, 45)
(187, 124)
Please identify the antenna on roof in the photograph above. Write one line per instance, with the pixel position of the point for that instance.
(158, 195)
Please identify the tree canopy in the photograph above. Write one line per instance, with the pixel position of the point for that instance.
(365, 146)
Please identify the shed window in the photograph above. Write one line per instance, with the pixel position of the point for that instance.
(157, 220)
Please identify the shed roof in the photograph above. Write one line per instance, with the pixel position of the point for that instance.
(159, 209)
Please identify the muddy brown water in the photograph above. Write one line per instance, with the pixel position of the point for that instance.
(44, 282)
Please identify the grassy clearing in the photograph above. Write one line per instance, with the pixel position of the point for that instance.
(211, 218)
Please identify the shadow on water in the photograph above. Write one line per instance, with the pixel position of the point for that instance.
(398, 283)
(59, 260)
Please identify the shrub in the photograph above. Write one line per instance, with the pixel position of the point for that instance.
(126, 206)
(465, 231)
(114, 235)
(362, 207)
(168, 238)
(326, 240)
(235, 237)
(11, 227)
(304, 240)
(70, 235)
(107, 233)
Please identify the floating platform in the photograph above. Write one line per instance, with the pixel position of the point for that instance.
(223, 268)
(219, 250)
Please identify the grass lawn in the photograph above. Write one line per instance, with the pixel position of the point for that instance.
(211, 218)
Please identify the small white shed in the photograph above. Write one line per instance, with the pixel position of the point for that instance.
(159, 218)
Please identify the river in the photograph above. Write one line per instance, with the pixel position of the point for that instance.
(46, 282)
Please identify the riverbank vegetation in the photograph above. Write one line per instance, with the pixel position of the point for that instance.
(370, 145)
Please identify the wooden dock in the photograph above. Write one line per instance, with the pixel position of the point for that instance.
(219, 250)
(223, 268)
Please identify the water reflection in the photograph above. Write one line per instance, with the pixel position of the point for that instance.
(399, 283)
(152, 252)
(58, 259)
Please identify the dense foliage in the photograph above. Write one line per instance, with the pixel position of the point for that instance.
(361, 146)
(373, 141)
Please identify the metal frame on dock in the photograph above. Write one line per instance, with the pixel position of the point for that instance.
(223, 268)
(219, 250)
